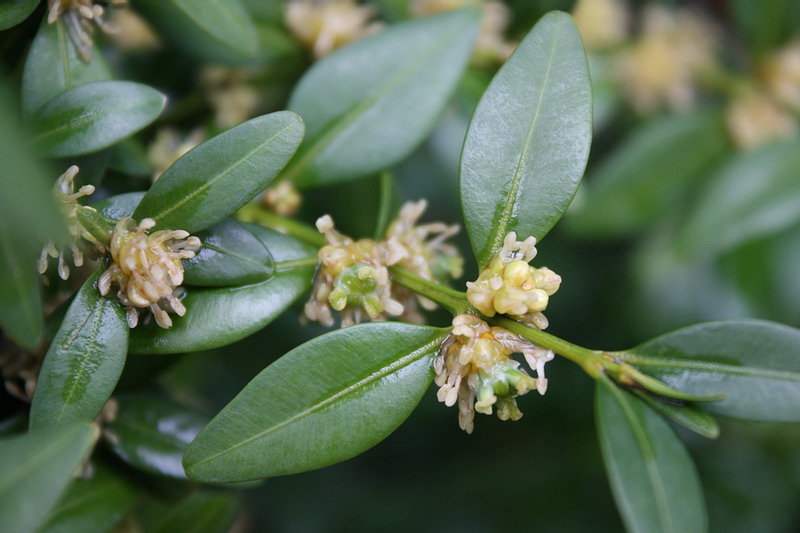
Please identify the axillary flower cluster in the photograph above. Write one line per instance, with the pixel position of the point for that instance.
(474, 366)
(353, 276)
(147, 269)
(510, 286)
(79, 18)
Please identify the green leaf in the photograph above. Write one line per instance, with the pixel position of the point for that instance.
(214, 30)
(21, 316)
(93, 505)
(12, 12)
(119, 206)
(687, 416)
(528, 142)
(84, 361)
(27, 201)
(151, 433)
(36, 468)
(755, 194)
(643, 177)
(203, 511)
(369, 104)
(652, 475)
(764, 25)
(222, 174)
(323, 402)
(93, 116)
(219, 316)
(53, 66)
(231, 255)
(756, 364)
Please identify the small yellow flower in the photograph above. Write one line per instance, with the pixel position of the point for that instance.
(755, 118)
(510, 286)
(147, 269)
(282, 198)
(474, 368)
(663, 66)
(79, 17)
(353, 276)
(67, 201)
(325, 25)
(781, 74)
(602, 23)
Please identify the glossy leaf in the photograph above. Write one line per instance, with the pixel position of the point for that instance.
(21, 315)
(151, 433)
(222, 174)
(369, 104)
(652, 476)
(93, 505)
(216, 30)
(231, 255)
(323, 402)
(53, 66)
(12, 12)
(687, 416)
(119, 206)
(43, 463)
(219, 316)
(203, 511)
(643, 177)
(756, 194)
(84, 361)
(90, 117)
(95, 224)
(528, 142)
(756, 364)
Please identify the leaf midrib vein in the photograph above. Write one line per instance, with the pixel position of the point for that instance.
(511, 197)
(711, 367)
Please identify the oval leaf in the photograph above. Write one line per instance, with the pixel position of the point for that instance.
(369, 104)
(43, 463)
(528, 142)
(84, 361)
(216, 30)
(755, 364)
(90, 117)
(643, 177)
(93, 505)
(222, 174)
(220, 316)
(53, 66)
(652, 476)
(12, 12)
(152, 432)
(21, 315)
(230, 255)
(323, 402)
(756, 194)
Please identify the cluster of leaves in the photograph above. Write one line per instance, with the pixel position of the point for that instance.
(360, 111)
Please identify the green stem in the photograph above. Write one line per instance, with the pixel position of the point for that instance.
(253, 213)
(593, 362)
(452, 300)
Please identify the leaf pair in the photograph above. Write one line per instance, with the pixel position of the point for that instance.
(341, 393)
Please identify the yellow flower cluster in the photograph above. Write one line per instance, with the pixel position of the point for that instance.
(603, 23)
(510, 286)
(79, 17)
(474, 368)
(353, 276)
(665, 63)
(67, 201)
(325, 25)
(282, 198)
(147, 269)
